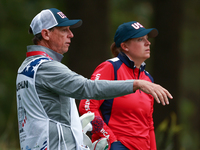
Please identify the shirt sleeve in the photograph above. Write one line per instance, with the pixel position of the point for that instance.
(104, 71)
(59, 79)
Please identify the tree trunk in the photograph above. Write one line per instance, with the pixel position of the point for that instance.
(89, 46)
(166, 63)
(90, 43)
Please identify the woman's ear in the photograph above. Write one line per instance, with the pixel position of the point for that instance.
(45, 34)
(124, 46)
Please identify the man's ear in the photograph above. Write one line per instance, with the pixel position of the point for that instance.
(45, 34)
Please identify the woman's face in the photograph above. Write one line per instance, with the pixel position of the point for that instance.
(138, 49)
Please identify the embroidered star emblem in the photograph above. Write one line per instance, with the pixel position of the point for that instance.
(42, 60)
(27, 68)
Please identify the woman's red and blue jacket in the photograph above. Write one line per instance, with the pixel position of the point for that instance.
(128, 118)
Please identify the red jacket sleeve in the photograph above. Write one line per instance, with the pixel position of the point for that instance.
(104, 71)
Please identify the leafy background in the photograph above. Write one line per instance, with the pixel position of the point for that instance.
(174, 59)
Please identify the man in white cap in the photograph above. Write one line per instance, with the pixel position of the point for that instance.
(46, 88)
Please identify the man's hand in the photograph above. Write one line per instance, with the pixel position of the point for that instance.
(158, 92)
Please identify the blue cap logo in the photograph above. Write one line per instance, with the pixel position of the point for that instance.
(137, 25)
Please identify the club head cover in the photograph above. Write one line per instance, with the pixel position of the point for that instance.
(87, 128)
(100, 144)
(97, 124)
(87, 141)
(86, 118)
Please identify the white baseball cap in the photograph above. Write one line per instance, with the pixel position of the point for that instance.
(50, 18)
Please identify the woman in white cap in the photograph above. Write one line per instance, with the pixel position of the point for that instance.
(128, 122)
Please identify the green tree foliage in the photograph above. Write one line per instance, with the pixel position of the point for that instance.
(92, 40)
(190, 87)
(15, 19)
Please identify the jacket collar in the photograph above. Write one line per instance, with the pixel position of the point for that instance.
(54, 55)
(126, 60)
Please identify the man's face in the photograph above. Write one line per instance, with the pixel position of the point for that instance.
(60, 39)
